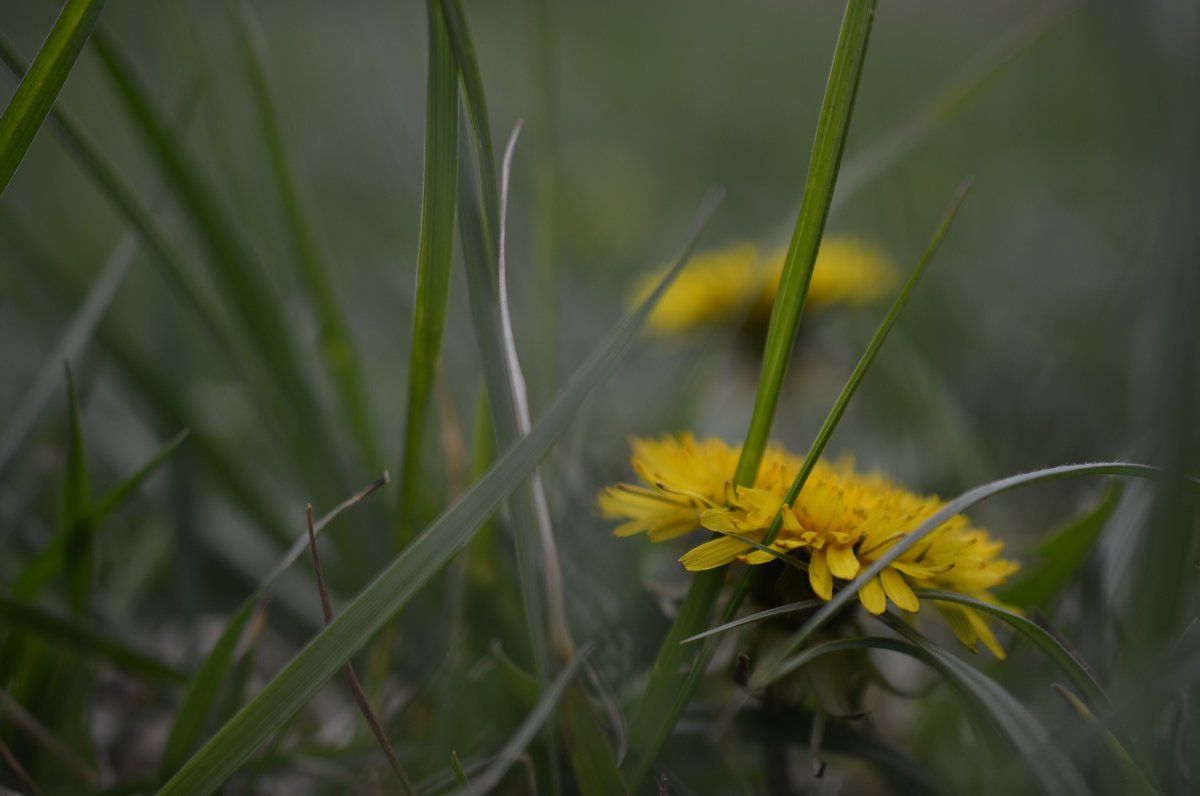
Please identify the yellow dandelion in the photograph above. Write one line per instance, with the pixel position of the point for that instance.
(728, 285)
(841, 523)
(681, 477)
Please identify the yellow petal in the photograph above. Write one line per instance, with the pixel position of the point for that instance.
(872, 596)
(713, 554)
(819, 577)
(985, 633)
(842, 562)
(898, 591)
(960, 626)
(758, 557)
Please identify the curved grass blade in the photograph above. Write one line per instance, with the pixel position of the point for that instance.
(953, 507)
(1071, 666)
(490, 777)
(21, 421)
(1062, 554)
(85, 638)
(434, 255)
(332, 331)
(39, 88)
(781, 610)
(419, 562)
(1137, 783)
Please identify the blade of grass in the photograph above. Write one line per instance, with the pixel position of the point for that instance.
(41, 735)
(75, 526)
(1061, 555)
(667, 692)
(434, 255)
(114, 498)
(1137, 782)
(418, 563)
(87, 639)
(956, 506)
(333, 333)
(39, 88)
(104, 288)
(490, 777)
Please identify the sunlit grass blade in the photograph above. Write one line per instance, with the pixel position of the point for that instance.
(874, 159)
(20, 422)
(416, 565)
(490, 777)
(434, 255)
(336, 345)
(1061, 554)
(86, 639)
(1137, 782)
(39, 88)
(766, 671)
(118, 494)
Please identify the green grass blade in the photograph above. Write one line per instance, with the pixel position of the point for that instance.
(434, 256)
(1050, 769)
(1137, 782)
(1071, 666)
(780, 610)
(477, 114)
(416, 565)
(39, 88)
(1061, 555)
(75, 526)
(334, 338)
(86, 639)
(201, 696)
(114, 498)
(833, 124)
(956, 506)
(592, 757)
(79, 331)
(490, 777)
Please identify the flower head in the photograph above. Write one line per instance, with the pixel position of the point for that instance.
(841, 523)
(727, 285)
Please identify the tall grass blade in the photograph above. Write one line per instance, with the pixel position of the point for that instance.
(75, 525)
(1137, 781)
(434, 255)
(107, 504)
(39, 88)
(418, 563)
(336, 346)
(958, 505)
(667, 692)
(104, 288)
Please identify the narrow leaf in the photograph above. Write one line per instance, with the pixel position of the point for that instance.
(109, 503)
(1061, 555)
(434, 255)
(39, 88)
(419, 562)
(75, 527)
(1137, 782)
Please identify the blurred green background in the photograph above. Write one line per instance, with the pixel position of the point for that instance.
(1058, 323)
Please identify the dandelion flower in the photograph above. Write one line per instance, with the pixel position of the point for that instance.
(738, 282)
(841, 523)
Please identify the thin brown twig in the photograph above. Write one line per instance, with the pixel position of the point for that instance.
(29, 724)
(364, 706)
(18, 769)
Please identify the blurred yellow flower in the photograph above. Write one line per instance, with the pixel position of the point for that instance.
(739, 282)
(840, 524)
